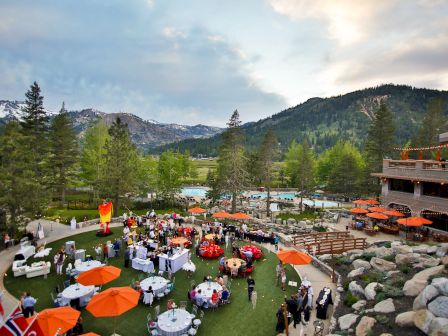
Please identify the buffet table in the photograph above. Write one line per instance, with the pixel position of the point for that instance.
(144, 265)
(157, 284)
(173, 263)
(174, 322)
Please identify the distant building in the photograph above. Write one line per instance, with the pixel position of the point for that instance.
(417, 187)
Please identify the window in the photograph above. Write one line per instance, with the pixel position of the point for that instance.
(402, 185)
(435, 189)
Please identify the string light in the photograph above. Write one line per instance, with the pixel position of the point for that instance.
(421, 148)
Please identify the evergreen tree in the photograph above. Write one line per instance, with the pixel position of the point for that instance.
(121, 157)
(214, 193)
(171, 171)
(35, 128)
(300, 164)
(379, 145)
(64, 151)
(94, 154)
(266, 154)
(16, 175)
(147, 174)
(345, 177)
(232, 165)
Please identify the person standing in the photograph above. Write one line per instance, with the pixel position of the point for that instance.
(127, 257)
(280, 327)
(59, 261)
(283, 278)
(250, 286)
(278, 271)
(293, 309)
(28, 303)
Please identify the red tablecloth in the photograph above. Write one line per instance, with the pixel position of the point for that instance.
(211, 251)
(257, 253)
(187, 231)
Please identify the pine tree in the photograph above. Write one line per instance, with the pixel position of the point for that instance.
(345, 177)
(214, 193)
(266, 154)
(121, 157)
(232, 165)
(171, 171)
(379, 145)
(35, 128)
(64, 151)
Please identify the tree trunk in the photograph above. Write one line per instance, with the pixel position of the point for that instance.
(268, 202)
(116, 205)
(234, 202)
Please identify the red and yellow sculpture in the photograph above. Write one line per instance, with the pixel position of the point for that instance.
(105, 209)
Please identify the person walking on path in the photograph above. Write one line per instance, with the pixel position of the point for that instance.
(278, 270)
(250, 286)
(28, 303)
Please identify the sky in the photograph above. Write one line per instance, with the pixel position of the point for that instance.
(196, 61)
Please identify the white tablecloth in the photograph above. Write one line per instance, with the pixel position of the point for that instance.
(43, 253)
(143, 265)
(77, 291)
(87, 265)
(169, 326)
(173, 263)
(157, 283)
(207, 289)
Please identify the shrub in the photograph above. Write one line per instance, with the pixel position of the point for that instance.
(388, 244)
(319, 228)
(367, 256)
(383, 319)
(350, 299)
(343, 260)
(396, 282)
(372, 276)
(405, 269)
(392, 292)
(389, 257)
(346, 284)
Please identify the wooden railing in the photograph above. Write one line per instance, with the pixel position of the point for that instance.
(335, 246)
(307, 238)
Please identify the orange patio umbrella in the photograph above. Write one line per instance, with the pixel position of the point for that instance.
(197, 210)
(90, 334)
(113, 302)
(372, 201)
(240, 216)
(376, 209)
(393, 213)
(414, 221)
(358, 211)
(294, 257)
(377, 215)
(57, 320)
(222, 214)
(361, 202)
(99, 275)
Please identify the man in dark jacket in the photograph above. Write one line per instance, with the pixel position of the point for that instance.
(293, 309)
(127, 256)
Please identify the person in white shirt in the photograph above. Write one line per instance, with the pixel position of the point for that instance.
(126, 230)
(152, 214)
(244, 227)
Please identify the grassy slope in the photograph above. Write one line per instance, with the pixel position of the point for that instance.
(237, 318)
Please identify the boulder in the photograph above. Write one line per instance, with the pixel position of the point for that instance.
(444, 260)
(391, 273)
(423, 248)
(355, 273)
(405, 319)
(423, 319)
(325, 257)
(365, 325)
(384, 307)
(439, 307)
(438, 327)
(426, 295)
(431, 250)
(386, 334)
(359, 305)
(355, 251)
(346, 321)
(382, 265)
(340, 289)
(370, 290)
(401, 249)
(414, 286)
(428, 261)
(441, 284)
(407, 258)
(361, 263)
(382, 251)
(355, 289)
(442, 250)
(425, 274)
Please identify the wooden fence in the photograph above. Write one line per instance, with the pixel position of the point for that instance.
(307, 238)
(335, 246)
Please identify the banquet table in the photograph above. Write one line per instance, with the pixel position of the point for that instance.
(77, 291)
(173, 263)
(256, 252)
(157, 283)
(210, 236)
(180, 241)
(144, 265)
(87, 265)
(237, 261)
(174, 322)
(208, 287)
(323, 300)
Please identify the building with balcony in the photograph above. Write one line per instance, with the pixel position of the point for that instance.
(417, 187)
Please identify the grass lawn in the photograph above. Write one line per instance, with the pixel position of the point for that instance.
(237, 318)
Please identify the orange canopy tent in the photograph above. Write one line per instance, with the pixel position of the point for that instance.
(57, 320)
(358, 211)
(372, 201)
(376, 209)
(361, 202)
(377, 215)
(294, 257)
(222, 214)
(393, 213)
(414, 221)
(240, 216)
(99, 275)
(197, 210)
(113, 302)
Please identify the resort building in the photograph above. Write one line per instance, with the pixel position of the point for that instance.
(417, 187)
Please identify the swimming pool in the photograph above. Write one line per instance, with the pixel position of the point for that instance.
(319, 203)
(192, 192)
(285, 195)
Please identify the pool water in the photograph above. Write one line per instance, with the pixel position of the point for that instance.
(289, 195)
(319, 203)
(199, 192)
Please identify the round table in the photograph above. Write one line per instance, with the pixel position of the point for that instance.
(237, 261)
(256, 252)
(77, 291)
(174, 322)
(179, 241)
(210, 236)
(157, 283)
(207, 288)
(87, 265)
